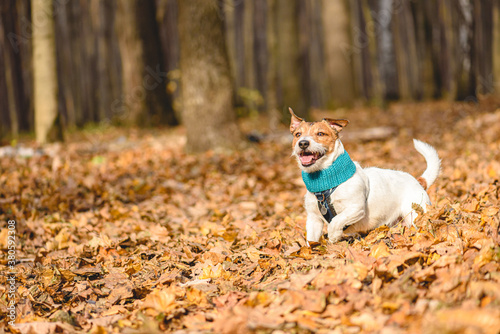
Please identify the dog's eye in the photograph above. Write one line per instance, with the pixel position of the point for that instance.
(321, 134)
(298, 134)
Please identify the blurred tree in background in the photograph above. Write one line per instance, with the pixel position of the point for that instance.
(144, 97)
(48, 125)
(122, 61)
(207, 90)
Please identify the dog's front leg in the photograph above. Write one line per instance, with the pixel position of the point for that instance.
(315, 221)
(343, 220)
(314, 228)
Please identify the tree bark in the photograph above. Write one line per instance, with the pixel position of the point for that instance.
(315, 48)
(447, 59)
(108, 64)
(483, 40)
(496, 46)
(169, 36)
(424, 26)
(48, 125)
(292, 89)
(16, 58)
(375, 88)
(249, 50)
(261, 53)
(271, 94)
(239, 43)
(207, 91)
(144, 101)
(338, 59)
(406, 53)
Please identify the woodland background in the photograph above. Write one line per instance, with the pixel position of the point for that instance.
(303, 54)
(121, 228)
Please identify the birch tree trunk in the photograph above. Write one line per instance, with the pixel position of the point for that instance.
(207, 91)
(47, 121)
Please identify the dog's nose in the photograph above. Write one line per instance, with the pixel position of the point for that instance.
(303, 144)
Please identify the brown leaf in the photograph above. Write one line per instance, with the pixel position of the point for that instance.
(314, 301)
(304, 253)
(121, 291)
(380, 250)
(471, 205)
(197, 297)
(161, 300)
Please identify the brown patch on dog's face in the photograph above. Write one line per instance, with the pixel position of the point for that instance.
(312, 141)
(322, 132)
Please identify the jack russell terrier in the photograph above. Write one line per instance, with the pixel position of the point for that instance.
(350, 198)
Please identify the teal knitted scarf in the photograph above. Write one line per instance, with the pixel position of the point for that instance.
(339, 171)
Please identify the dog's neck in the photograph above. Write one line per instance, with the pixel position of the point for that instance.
(339, 168)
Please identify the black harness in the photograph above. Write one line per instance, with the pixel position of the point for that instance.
(324, 206)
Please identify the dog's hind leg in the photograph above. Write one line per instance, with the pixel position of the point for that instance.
(409, 219)
(411, 213)
(415, 202)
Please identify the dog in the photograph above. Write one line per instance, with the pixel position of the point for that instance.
(349, 198)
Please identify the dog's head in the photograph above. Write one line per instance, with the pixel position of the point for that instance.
(315, 143)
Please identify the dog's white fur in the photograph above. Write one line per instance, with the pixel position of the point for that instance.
(371, 197)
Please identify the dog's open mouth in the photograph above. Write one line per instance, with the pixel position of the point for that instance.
(309, 158)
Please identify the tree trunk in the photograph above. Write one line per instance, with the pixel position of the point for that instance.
(4, 104)
(483, 52)
(239, 42)
(291, 77)
(69, 67)
(375, 88)
(108, 65)
(207, 92)
(315, 48)
(496, 46)
(260, 55)
(47, 121)
(448, 61)
(386, 46)
(230, 36)
(271, 94)
(144, 101)
(424, 27)
(407, 60)
(249, 50)
(169, 36)
(463, 28)
(15, 58)
(338, 59)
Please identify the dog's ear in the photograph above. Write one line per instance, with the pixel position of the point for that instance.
(295, 121)
(336, 124)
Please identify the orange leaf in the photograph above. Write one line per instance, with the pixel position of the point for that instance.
(380, 250)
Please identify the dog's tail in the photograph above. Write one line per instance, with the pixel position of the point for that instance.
(433, 163)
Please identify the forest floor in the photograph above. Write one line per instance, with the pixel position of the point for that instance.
(120, 231)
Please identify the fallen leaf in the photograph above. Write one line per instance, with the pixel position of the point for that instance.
(380, 250)
(161, 300)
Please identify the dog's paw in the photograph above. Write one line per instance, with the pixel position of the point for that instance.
(313, 244)
(335, 236)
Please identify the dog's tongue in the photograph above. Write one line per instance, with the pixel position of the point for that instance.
(306, 159)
